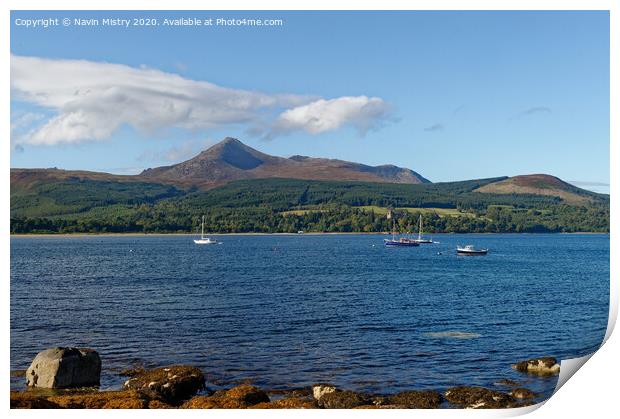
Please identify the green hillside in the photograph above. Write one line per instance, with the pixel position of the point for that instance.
(288, 205)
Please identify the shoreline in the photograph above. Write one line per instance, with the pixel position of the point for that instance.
(310, 233)
(188, 389)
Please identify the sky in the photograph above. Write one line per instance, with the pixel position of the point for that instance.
(451, 95)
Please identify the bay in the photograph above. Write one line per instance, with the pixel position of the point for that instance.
(291, 310)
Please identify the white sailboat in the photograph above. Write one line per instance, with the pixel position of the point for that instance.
(420, 238)
(203, 239)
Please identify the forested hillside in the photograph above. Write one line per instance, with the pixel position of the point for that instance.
(289, 205)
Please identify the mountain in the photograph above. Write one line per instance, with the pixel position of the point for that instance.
(239, 189)
(231, 160)
(540, 184)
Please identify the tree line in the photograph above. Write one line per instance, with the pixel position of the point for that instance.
(168, 217)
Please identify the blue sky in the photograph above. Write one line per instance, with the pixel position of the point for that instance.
(451, 95)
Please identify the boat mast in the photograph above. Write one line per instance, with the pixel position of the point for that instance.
(390, 215)
(420, 231)
(393, 229)
(202, 234)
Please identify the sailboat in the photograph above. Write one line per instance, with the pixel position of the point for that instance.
(401, 242)
(203, 239)
(421, 239)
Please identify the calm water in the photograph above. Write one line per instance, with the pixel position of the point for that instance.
(294, 310)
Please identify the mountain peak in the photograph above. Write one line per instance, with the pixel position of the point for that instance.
(234, 153)
(230, 159)
(230, 140)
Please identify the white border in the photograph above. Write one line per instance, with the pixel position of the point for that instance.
(593, 393)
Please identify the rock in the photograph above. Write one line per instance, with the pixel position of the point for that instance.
(239, 397)
(417, 399)
(102, 400)
(522, 393)
(380, 400)
(64, 368)
(318, 390)
(173, 384)
(509, 383)
(543, 366)
(247, 394)
(343, 400)
(479, 398)
(210, 402)
(157, 404)
(302, 393)
(24, 400)
(288, 403)
(381, 406)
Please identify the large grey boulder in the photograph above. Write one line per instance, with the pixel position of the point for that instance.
(64, 367)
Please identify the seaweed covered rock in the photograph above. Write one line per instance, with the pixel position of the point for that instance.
(542, 366)
(417, 399)
(158, 404)
(172, 384)
(64, 368)
(25, 400)
(101, 400)
(247, 394)
(522, 393)
(239, 397)
(287, 403)
(380, 406)
(212, 402)
(343, 400)
(479, 398)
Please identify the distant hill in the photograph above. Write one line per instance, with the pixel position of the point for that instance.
(540, 184)
(240, 189)
(231, 160)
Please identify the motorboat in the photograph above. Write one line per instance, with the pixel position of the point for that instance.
(470, 250)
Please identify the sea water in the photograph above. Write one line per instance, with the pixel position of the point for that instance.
(287, 311)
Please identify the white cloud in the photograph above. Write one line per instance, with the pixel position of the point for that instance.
(25, 120)
(92, 100)
(322, 115)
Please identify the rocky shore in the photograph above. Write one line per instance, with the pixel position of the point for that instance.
(56, 380)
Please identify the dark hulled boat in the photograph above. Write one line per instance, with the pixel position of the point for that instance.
(402, 242)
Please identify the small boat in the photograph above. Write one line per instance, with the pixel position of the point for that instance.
(401, 242)
(203, 239)
(470, 250)
(421, 239)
